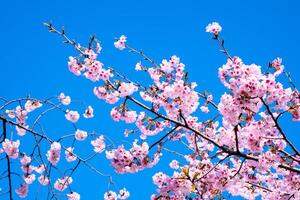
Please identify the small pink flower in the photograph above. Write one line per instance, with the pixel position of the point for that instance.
(138, 66)
(72, 116)
(80, 135)
(214, 28)
(204, 109)
(174, 164)
(62, 184)
(123, 194)
(40, 169)
(25, 160)
(70, 156)
(89, 112)
(29, 178)
(98, 47)
(32, 105)
(53, 155)
(22, 191)
(99, 144)
(11, 148)
(44, 180)
(73, 196)
(110, 195)
(120, 43)
(10, 113)
(74, 67)
(21, 131)
(65, 100)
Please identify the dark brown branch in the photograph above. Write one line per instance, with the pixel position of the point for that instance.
(279, 127)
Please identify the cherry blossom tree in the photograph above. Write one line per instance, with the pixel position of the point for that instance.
(238, 146)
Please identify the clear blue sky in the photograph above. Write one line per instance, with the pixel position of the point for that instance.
(34, 61)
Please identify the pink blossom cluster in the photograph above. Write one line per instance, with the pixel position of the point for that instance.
(109, 95)
(11, 148)
(148, 126)
(111, 195)
(99, 144)
(122, 113)
(132, 160)
(53, 154)
(249, 86)
(91, 68)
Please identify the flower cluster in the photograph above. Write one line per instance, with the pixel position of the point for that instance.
(111, 195)
(132, 160)
(53, 154)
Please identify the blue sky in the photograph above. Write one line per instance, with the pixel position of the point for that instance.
(34, 62)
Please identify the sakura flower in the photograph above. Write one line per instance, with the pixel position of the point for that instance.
(74, 66)
(40, 169)
(21, 131)
(32, 105)
(91, 54)
(25, 160)
(110, 195)
(214, 28)
(22, 191)
(65, 100)
(73, 196)
(72, 116)
(99, 144)
(44, 180)
(126, 89)
(277, 65)
(70, 156)
(138, 66)
(62, 184)
(166, 66)
(11, 148)
(27, 168)
(98, 47)
(89, 112)
(80, 135)
(29, 178)
(10, 113)
(53, 155)
(123, 194)
(204, 109)
(174, 164)
(120, 43)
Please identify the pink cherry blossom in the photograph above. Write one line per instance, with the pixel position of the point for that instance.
(126, 89)
(11, 148)
(40, 169)
(22, 191)
(98, 144)
(70, 156)
(214, 28)
(80, 135)
(123, 194)
(29, 178)
(53, 154)
(72, 116)
(32, 105)
(63, 183)
(89, 112)
(73, 196)
(120, 43)
(74, 66)
(44, 180)
(65, 100)
(110, 195)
